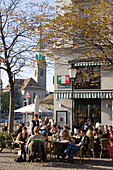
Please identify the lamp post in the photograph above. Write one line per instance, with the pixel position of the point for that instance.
(72, 74)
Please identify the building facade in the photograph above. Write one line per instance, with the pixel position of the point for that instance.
(25, 91)
(91, 96)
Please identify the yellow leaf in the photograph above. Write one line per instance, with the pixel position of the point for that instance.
(76, 46)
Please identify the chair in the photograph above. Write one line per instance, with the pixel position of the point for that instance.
(82, 152)
(85, 151)
(90, 147)
(17, 148)
(104, 146)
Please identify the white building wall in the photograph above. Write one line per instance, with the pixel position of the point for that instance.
(106, 112)
(61, 68)
(107, 79)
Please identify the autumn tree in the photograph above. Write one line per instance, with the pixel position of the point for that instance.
(4, 102)
(19, 38)
(86, 26)
(83, 30)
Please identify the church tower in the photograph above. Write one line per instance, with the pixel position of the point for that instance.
(40, 71)
(40, 64)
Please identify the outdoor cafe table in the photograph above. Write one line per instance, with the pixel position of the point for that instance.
(55, 144)
(52, 144)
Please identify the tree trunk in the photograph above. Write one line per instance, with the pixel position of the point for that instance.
(11, 107)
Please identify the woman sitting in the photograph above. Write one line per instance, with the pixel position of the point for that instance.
(89, 133)
(66, 136)
(22, 139)
(65, 139)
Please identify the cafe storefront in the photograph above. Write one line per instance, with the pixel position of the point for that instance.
(87, 104)
(91, 97)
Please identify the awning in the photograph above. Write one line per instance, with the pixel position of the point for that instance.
(85, 95)
(79, 64)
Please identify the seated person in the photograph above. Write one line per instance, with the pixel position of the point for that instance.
(84, 141)
(89, 132)
(110, 132)
(5, 128)
(62, 146)
(22, 139)
(46, 131)
(19, 130)
(87, 124)
(99, 133)
(46, 121)
(36, 144)
(106, 132)
(54, 129)
(65, 135)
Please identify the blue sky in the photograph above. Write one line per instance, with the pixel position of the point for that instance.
(29, 72)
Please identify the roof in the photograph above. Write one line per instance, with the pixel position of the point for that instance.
(24, 83)
(90, 59)
(48, 102)
(18, 83)
(30, 82)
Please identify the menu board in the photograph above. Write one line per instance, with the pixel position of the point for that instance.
(61, 118)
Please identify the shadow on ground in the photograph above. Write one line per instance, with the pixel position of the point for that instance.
(96, 164)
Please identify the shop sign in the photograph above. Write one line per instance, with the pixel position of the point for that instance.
(63, 79)
(63, 86)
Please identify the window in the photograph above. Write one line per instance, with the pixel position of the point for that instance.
(41, 72)
(87, 78)
(87, 108)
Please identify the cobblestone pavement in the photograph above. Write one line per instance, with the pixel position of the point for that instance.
(7, 163)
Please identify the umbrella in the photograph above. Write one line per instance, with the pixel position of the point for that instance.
(31, 108)
(36, 109)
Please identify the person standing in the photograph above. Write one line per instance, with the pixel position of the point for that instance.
(33, 123)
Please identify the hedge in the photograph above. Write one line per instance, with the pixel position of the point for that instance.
(6, 139)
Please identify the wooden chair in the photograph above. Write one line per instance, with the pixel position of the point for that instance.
(90, 147)
(81, 153)
(17, 148)
(50, 146)
(104, 146)
(85, 152)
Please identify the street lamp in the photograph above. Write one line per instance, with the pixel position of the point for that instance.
(72, 74)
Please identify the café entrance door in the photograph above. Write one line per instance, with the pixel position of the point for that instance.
(87, 108)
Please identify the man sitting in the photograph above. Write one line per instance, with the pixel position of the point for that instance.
(84, 141)
(106, 132)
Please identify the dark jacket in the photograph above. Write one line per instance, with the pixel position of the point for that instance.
(84, 141)
(36, 149)
(17, 132)
(35, 123)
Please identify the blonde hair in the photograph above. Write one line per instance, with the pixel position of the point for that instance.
(36, 129)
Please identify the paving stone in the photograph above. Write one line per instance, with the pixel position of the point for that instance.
(7, 163)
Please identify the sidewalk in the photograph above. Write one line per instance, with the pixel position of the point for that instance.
(7, 163)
